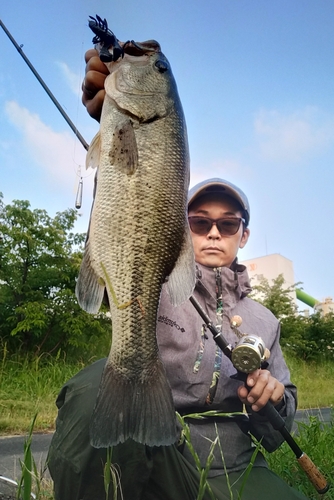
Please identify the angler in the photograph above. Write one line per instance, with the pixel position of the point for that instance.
(200, 378)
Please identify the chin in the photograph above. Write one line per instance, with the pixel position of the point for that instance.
(213, 262)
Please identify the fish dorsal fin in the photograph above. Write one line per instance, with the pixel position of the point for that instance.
(93, 153)
(124, 152)
(181, 282)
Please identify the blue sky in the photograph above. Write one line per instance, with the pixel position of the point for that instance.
(255, 79)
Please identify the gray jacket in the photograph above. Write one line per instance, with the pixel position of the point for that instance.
(189, 358)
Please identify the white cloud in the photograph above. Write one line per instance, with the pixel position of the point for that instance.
(292, 137)
(57, 153)
(73, 79)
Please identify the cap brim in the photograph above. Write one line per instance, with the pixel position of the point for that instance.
(216, 188)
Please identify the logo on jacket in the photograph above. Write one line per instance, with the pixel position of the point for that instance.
(170, 322)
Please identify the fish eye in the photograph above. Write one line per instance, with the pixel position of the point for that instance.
(162, 66)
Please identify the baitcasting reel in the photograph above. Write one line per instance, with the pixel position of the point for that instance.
(249, 354)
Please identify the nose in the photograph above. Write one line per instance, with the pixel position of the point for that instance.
(214, 234)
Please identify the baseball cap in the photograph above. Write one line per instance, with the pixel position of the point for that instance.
(220, 186)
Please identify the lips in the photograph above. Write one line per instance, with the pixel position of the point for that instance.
(213, 248)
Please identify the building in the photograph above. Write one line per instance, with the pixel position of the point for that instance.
(269, 267)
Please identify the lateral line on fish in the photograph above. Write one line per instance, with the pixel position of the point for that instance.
(114, 298)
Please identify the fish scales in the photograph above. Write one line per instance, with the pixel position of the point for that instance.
(138, 235)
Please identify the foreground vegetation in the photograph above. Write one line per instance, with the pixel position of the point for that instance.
(317, 441)
(30, 385)
(314, 438)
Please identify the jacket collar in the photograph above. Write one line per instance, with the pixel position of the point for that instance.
(235, 282)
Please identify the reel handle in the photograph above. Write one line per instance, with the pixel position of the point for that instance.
(317, 479)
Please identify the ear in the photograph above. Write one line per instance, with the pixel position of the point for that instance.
(244, 238)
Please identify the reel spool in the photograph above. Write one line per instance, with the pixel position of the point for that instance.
(249, 353)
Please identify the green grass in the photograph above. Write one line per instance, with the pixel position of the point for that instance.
(29, 386)
(317, 441)
(314, 438)
(313, 382)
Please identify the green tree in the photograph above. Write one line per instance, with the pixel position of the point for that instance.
(310, 337)
(276, 297)
(40, 258)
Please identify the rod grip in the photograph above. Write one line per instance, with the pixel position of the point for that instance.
(317, 479)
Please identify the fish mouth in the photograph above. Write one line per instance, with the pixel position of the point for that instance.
(138, 49)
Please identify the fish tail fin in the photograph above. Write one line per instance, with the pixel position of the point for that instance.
(142, 410)
(89, 289)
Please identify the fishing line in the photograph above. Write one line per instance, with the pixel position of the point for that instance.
(78, 107)
(78, 170)
(47, 90)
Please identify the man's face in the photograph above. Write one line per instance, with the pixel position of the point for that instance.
(213, 249)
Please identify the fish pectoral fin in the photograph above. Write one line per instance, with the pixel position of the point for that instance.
(124, 152)
(181, 282)
(93, 153)
(89, 288)
(140, 408)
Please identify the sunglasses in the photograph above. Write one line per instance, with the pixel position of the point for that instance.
(227, 226)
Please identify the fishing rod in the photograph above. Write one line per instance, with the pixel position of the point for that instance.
(246, 357)
(45, 87)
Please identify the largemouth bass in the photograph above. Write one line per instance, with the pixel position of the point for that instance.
(138, 236)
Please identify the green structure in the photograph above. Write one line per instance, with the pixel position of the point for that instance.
(304, 297)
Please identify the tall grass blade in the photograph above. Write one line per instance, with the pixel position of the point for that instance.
(28, 467)
(248, 469)
(203, 472)
(111, 476)
(203, 483)
(224, 465)
(107, 472)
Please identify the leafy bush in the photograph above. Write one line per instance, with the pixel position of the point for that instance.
(40, 258)
(309, 338)
(276, 297)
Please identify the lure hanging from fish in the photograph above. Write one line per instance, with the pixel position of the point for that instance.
(110, 48)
